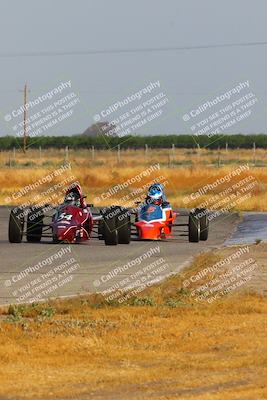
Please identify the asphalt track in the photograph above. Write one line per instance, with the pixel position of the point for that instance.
(252, 229)
(37, 271)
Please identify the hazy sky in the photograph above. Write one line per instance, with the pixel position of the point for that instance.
(188, 77)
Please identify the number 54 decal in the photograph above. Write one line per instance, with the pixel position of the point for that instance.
(64, 216)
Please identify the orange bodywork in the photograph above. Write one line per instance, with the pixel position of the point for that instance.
(156, 229)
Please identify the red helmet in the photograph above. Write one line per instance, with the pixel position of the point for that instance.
(77, 190)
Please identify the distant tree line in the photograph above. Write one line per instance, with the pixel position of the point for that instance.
(136, 142)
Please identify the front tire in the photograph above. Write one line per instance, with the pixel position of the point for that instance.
(15, 228)
(35, 225)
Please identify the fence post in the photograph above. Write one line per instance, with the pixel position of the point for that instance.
(119, 154)
(171, 165)
(67, 153)
(146, 151)
(93, 152)
(254, 154)
(14, 154)
(173, 153)
(198, 153)
(219, 157)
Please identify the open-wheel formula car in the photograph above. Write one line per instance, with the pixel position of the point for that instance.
(154, 222)
(68, 224)
(71, 222)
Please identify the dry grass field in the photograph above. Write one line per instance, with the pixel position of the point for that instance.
(183, 170)
(160, 345)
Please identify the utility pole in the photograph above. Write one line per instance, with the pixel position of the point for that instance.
(25, 91)
(25, 119)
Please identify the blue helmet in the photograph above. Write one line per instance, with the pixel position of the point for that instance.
(155, 192)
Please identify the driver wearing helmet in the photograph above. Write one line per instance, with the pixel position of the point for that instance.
(75, 197)
(157, 196)
(72, 199)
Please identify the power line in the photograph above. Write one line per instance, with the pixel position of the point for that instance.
(125, 51)
(100, 93)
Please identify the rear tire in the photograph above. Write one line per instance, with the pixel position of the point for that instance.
(35, 225)
(193, 228)
(124, 226)
(110, 232)
(15, 228)
(100, 230)
(55, 239)
(204, 223)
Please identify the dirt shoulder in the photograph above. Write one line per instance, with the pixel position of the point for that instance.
(257, 256)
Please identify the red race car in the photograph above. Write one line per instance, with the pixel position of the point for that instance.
(72, 222)
(155, 219)
(154, 222)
